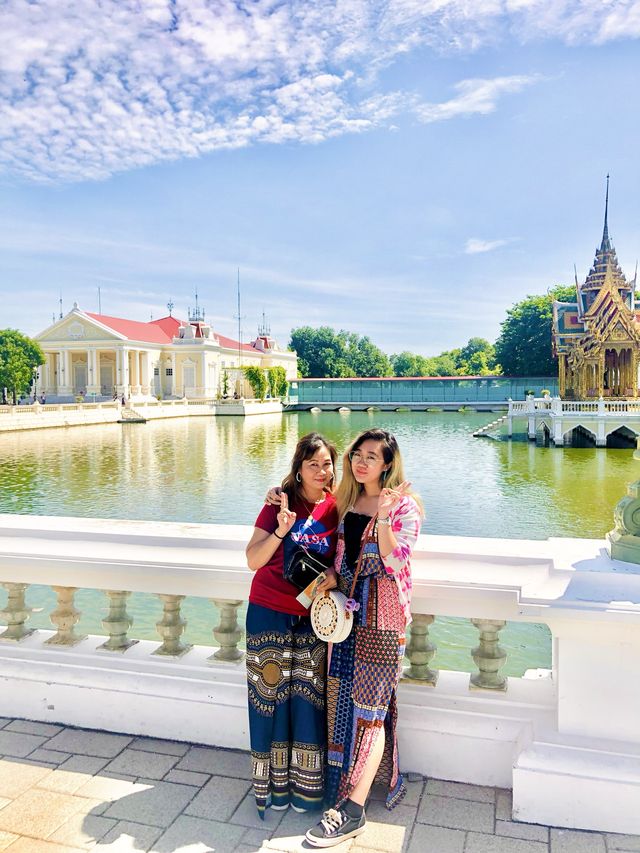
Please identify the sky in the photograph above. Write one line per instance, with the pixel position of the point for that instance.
(404, 169)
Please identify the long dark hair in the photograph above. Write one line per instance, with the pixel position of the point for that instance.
(307, 447)
(391, 476)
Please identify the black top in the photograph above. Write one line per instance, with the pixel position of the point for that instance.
(355, 524)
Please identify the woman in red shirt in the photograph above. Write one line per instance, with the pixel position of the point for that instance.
(286, 663)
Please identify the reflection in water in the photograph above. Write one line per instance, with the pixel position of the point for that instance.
(218, 469)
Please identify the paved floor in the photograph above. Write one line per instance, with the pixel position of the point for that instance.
(65, 790)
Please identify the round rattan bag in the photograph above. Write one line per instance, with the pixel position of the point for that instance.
(330, 619)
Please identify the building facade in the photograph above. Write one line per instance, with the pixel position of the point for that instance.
(597, 337)
(98, 357)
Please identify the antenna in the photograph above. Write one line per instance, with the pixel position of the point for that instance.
(99, 302)
(239, 318)
(53, 317)
(170, 306)
(60, 303)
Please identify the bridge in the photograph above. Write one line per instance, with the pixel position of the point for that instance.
(596, 422)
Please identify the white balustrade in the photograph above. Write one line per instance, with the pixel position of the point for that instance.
(15, 613)
(573, 729)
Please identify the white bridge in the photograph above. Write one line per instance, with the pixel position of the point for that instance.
(566, 740)
(557, 419)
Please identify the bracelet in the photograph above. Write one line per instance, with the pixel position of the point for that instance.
(385, 521)
(279, 537)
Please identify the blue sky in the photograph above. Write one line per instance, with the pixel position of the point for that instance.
(404, 169)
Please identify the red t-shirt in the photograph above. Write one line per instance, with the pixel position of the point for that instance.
(316, 532)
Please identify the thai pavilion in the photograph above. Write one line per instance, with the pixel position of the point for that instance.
(98, 357)
(597, 337)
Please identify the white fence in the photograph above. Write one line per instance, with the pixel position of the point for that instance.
(567, 741)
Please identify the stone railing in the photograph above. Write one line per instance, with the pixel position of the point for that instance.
(548, 735)
(555, 406)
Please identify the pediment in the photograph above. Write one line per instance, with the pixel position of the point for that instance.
(77, 327)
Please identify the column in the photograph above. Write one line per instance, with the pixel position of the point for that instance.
(561, 374)
(144, 373)
(123, 371)
(93, 378)
(205, 391)
(65, 380)
(134, 379)
(173, 374)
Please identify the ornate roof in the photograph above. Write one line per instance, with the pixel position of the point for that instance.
(606, 262)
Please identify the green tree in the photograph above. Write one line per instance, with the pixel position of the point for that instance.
(321, 352)
(19, 358)
(258, 381)
(406, 364)
(524, 345)
(278, 384)
(477, 358)
(365, 358)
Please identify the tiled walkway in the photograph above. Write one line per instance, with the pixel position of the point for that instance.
(65, 790)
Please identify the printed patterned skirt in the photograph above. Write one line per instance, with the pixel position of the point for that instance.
(361, 690)
(286, 667)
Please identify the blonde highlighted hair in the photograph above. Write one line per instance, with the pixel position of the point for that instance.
(349, 489)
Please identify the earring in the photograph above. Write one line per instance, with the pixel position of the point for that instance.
(298, 477)
(384, 475)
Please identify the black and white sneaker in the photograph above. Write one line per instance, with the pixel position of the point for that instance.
(335, 826)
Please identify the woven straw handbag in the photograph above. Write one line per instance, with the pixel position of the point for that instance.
(332, 612)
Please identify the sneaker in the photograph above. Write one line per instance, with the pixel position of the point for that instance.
(335, 827)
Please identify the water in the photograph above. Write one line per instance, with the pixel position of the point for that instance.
(218, 469)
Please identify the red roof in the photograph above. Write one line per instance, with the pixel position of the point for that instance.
(157, 332)
(160, 331)
(229, 343)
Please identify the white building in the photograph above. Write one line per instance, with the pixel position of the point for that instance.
(97, 357)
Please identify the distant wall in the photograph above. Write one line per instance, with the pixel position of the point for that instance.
(459, 389)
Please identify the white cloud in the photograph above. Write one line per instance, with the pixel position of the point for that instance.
(475, 97)
(93, 87)
(475, 246)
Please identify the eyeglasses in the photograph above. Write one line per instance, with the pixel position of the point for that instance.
(369, 460)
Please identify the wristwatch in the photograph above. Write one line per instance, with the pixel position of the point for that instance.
(386, 521)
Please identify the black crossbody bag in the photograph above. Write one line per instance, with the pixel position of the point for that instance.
(303, 567)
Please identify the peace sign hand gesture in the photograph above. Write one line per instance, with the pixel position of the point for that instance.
(286, 518)
(390, 497)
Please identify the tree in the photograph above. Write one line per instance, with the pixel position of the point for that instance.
(524, 345)
(324, 352)
(321, 352)
(19, 358)
(478, 358)
(278, 384)
(365, 358)
(258, 381)
(408, 364)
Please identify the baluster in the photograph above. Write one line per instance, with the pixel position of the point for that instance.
(227, 632)
(171, 627)
(117, 622)
(65, 617)
(16, 613)
(489, 656)
(420, 651)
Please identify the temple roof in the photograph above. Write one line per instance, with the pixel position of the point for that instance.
(606, 261)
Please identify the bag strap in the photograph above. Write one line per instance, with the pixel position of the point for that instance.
(365, 536)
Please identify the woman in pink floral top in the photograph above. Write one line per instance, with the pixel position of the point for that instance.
(380, 522)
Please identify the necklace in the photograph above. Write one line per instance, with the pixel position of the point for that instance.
(310, 509)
